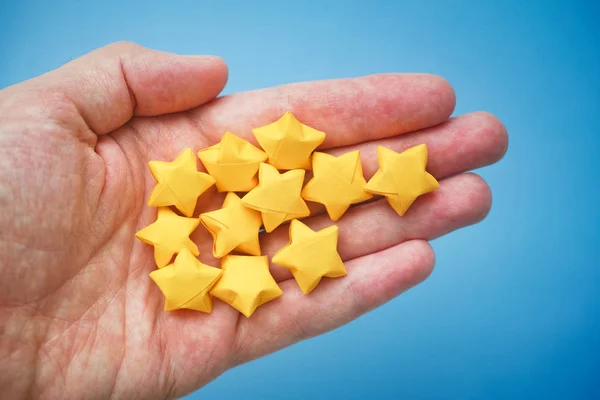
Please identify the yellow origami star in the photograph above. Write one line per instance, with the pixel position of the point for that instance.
(169, 234)
(233, 163)
(246, 283)
(288, 142)
(186, 283)
(233, 227)
(402, 178)
(277, 196)
(179, 183)
(311, 255)
(338, 182)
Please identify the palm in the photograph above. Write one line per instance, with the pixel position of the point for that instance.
(97, 305)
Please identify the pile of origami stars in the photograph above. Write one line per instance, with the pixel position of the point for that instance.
(270, 198)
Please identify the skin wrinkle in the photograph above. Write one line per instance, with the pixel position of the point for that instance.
(65, 332)
(161, 130)
(300, 332)
(165, 380)
(138, 157)
(88, 341)
(89, 309)
(87, 136)
(123, 333)
(52, 341)
(74, 325)
(91, 177)
(241, 338)
(24, 340)
(79, 348)
(93, 194)
(108, 174)
(99, 77)
(128, 168)
(78, 343)
(357, 301)
(123, 376)
(45, 355)
(105, 291)
(423, 255)
(201, 128)
(132, 100)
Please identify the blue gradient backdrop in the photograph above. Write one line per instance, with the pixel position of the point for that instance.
(513, 307)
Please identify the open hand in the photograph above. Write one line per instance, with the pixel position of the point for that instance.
(79, 316)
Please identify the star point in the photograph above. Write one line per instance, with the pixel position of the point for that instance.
(402, 177)
(233, 163)
(186, 282)
(337, 183)
(277, 196)
(288, 142)
(246, 283)
(179, 183)
(233, 227)
(311, 255)
(169, 234)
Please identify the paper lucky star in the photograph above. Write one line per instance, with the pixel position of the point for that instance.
(311, 255)
(338, 182)
(402, 177)
(246, 283)
(169, 234)
(186, 283)
(233, 227)
(288, 142)
(179, 183)
(277, 196)
(233, 162)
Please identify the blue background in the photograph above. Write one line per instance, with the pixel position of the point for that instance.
(513, 307)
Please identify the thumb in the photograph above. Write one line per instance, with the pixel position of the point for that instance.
(112, 84)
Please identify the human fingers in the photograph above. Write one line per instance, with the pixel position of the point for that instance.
(372, 280)
(110, 85)
(460, 201)
(349, 111)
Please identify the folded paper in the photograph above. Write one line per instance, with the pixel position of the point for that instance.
(186, 283)
(277, 196)
(338, 182)
(233, 163)
(311, 255)
(169, 234)
(233, 227)
(288, 142)
(402, 177)
(179, 183)
(246, 283)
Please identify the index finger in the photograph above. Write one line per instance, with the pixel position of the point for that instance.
(349, 111)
